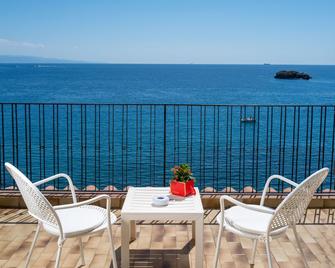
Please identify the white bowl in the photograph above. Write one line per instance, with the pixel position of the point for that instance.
(160, 200)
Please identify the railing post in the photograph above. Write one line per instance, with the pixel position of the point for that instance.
(164, 163)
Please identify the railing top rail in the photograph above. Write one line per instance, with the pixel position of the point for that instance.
(167, 104)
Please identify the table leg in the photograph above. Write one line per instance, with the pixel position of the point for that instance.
(125, 234)
(193, 229)
(199, 243)
(132, 230)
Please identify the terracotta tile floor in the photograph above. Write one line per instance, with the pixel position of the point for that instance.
(161, 245)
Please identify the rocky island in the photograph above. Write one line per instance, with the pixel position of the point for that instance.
(292, 75)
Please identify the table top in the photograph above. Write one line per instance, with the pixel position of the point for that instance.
(138, 205)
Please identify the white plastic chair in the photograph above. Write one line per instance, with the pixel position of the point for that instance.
(65, 221)
(258, 222)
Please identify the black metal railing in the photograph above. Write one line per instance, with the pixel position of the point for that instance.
(229, 147)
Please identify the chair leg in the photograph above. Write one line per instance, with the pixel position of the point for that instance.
(82, 259)
(33, 245)
(299, 245)
(254, 248)
(59, 253)
(268, 251)
(112, 246)
(218, 244)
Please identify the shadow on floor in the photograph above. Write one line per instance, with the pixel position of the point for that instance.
(156, 258)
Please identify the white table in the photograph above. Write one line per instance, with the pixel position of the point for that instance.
(138, 206)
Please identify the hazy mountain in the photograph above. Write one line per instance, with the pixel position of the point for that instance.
(32, 59)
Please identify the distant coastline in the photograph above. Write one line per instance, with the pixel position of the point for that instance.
(18, 59)
(26, 59)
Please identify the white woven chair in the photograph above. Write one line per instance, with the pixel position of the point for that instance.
(65, 221)
(258, 222)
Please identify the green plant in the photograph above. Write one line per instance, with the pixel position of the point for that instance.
(182, 173)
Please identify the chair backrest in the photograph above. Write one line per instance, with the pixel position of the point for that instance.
(293, 207)
(38, 206)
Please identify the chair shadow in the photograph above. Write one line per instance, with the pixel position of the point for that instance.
(155, 258)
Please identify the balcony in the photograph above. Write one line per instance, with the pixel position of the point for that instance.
(163, 245)
(106, 148)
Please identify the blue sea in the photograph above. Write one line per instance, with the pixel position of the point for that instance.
(143, 84)
(124, 135)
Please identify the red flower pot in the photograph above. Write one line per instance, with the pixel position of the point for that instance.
(182, 188)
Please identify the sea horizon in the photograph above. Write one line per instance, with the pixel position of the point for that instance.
(153, 63)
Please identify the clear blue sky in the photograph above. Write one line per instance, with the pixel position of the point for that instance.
(171, 31)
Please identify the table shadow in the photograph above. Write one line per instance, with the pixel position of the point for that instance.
(156, 258)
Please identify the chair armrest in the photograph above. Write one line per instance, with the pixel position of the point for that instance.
(238, 203)
(269, 180)
(57, 176)
(83, 203)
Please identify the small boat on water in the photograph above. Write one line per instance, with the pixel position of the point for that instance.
(248, 119)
